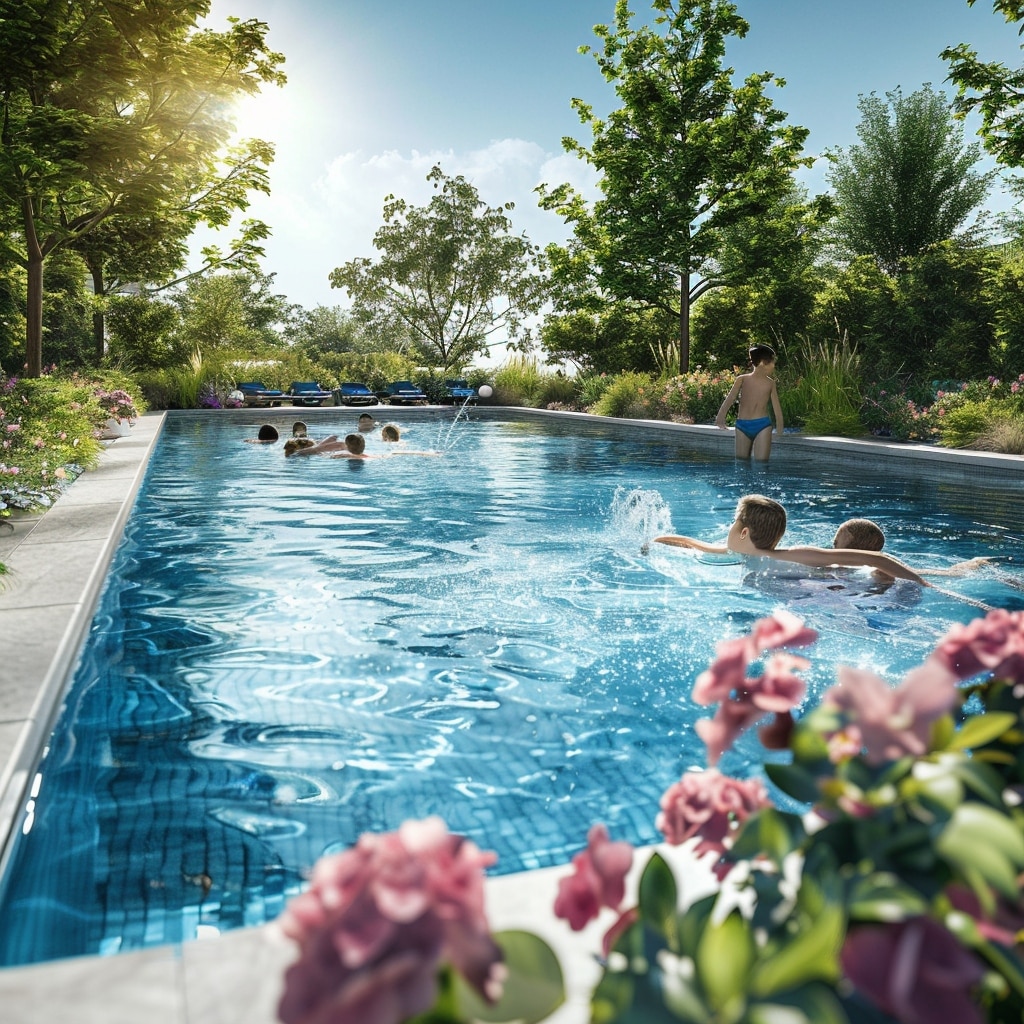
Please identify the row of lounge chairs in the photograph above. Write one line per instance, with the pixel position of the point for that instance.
(400, 392)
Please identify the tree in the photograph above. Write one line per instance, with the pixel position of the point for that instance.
(992, 90)
(687, 154)
(111, 109)
(909, 184)
(451, 273)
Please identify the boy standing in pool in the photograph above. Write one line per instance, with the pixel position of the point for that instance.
(754, 391)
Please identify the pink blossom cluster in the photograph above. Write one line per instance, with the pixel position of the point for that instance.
(888, 722)
(378, 921)
(742, 701)
(993, 644)
(598, 879)
(711, 806)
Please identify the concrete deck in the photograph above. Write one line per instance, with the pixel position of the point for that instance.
(59, 562)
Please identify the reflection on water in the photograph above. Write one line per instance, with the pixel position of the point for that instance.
(289, 653)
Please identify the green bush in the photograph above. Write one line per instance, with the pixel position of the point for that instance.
(519, 381)
(591, 387)
(628, 397)
(962, 425)
(695, 397)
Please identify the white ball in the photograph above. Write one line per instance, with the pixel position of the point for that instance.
(485, 391)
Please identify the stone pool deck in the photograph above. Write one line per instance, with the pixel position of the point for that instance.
(59, 562)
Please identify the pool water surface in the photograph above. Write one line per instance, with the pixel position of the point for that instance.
(291, 652)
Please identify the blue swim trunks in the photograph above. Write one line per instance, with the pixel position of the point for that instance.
(753, 427)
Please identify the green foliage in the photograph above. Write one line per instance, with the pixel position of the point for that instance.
(519, 381)
(142, 333)
(888, 411)
(374, 369)
(910, 183)
(993, 91)
(451, 273)
(686, 154)
(820, 388)
(617, 337)
(50, 426)
(694, 397)
(590, 388)
(979, 424)
(627, 396)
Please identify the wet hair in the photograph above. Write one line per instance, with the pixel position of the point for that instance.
(355, 443)
(365, 421)
(298, 429)
(764, 519)
(861, 534)
(293, 444)
(266, 433)
(390, 433)
(761, 354)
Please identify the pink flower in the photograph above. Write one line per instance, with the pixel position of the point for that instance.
(743, 701)
(890, 722)
(913, 970)
(709, 805)
(599, 879)
(993, 644)
(378, 920)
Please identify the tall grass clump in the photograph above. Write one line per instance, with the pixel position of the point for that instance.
(519, 381)
(820, 388)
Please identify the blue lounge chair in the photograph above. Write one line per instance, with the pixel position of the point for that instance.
(308, 392)
(256, 393)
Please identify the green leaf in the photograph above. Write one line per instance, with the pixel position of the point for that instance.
(981, 729)
(659, 898)
(979, 839)
(534, 988)
(883, 897)
(812, 955)
(724, 958)
(770, 832)
(812, 1004)
(612, 998)
(794, 781)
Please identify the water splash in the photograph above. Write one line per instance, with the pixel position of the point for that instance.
(637, 516)
(446, 444)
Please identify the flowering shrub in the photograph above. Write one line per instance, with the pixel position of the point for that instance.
(695, 397)
(897, 897)
(892, 413)
(116, 404)
(396, 926)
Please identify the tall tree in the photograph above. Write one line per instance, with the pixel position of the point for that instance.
(110, 108)
(451, 273)
(911, 181)
(686, 154)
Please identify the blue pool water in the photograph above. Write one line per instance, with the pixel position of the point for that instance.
(289, 653)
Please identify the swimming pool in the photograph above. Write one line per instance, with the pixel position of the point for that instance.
(292, 653)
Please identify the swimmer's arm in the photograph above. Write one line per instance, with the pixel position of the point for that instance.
(960, 569)
(824, 557)
(676, 541)
(728, 402)
(777, 409)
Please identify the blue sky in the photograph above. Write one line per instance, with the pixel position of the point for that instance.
(379, 92)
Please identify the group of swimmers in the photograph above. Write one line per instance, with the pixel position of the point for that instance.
(760, 522)
(352, 446)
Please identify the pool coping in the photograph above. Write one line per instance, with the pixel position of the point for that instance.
(60, 561)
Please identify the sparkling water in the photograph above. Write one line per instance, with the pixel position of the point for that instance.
(290, 652)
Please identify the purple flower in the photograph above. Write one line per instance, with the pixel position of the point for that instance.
(914, 970)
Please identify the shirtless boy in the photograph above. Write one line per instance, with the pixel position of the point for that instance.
(754, 390)
(759, 525)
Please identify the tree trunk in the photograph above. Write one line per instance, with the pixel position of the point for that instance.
(96, 269)
(34, 306)
(684, 323)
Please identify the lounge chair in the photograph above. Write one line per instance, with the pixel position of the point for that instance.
(256, 393)
(308, 392)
